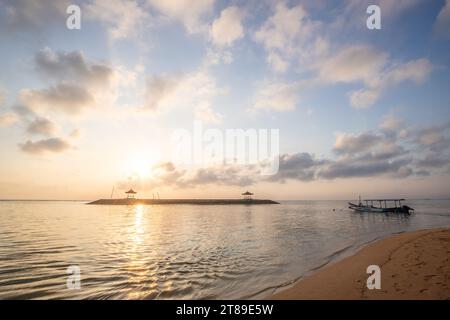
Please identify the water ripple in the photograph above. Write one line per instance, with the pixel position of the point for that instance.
(181, 252)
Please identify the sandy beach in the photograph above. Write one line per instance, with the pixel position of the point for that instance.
(414, 265)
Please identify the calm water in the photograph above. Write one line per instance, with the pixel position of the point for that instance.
(182, 251)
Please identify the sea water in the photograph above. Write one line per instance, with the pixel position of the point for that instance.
(183, 251)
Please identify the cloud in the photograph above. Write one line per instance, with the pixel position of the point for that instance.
(228, 27)
(8, 119)
(416, 71)
(369, 154)
(31, 16)
(167, 174)
(53, 145)
(159, 89)
(363, 98)
(195, 91)
(215, 56)
(276, 96)
(281, 29)
(391, 123)
(299, 166)
(393, 127)
(296, 42)
(75, 134)
(435, 138)
(72, 66)
(392, 8)
(355, 143)
(354, 168)
(351, 17)
(389, 152)
(191, 13)
(42, 126)
(354, 63)
(76, 84)
(367, 65)
(366, 154)
(123, 17)
(285, 34)
(372, 68)
(219, 175)
(206, 114)
(277, 62)
(442, 24)
(434, 160)
(66, 98)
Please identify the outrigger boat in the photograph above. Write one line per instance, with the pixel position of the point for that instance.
(369, 206)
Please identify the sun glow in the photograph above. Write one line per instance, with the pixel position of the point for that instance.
(140, 165)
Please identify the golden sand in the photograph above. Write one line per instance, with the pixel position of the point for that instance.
(414, 265)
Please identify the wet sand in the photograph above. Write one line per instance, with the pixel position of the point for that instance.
(414, 265)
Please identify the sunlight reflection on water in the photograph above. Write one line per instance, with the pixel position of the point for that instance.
(182, 251)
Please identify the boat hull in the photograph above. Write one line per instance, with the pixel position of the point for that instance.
(362, 208)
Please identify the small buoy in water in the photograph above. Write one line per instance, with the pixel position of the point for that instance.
(334, 209)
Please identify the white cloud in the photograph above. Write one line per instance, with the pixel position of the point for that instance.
(2, 98)
(294, 41)
(347, 143)
(189, 12)
(228, 27)
(8, 119)
(416, 71)
(124, 17)
(437, 138)
(276, 96)
(354, 63)
(443, 20)
(195, 91)
(167, 174)
(391, 124)
(288, 33)
(365, 154)
(215, 56)
(281, 29)
(205, 113)
(277, 62)
(363, 98)
(370, 67)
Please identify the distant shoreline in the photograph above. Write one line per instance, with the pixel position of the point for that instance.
(414, 265)
(278, 200)
(181, 201)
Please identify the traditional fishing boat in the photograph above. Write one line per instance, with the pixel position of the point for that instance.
(368, 206)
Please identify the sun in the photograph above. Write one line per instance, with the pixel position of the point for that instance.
(142, 168)
(140, 165)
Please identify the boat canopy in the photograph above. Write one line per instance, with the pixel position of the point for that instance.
(384, 200)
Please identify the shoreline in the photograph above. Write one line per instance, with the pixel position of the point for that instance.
(414, 265)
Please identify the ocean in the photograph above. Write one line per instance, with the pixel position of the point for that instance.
(183, 251)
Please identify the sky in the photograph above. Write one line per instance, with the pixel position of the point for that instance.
(358, 111)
